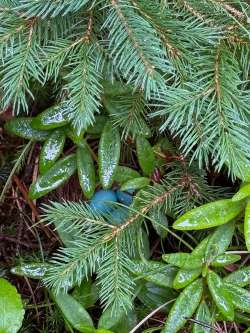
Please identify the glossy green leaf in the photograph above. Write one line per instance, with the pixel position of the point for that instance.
(118, 321)
(185, 276)
(240, 297)
(86, 171)
(11, 308)
(200, 249)
(61, 171)
(153, 296)
(124, 174)
(225, 259)
(74, 313)
(108, 155)
(219, 241)
(22, 127)
(247, 226)
(102, 330)
(176, 259)
(183, 260)
(98, 125)
(184, 307)
(86, 294)
(241, 277)
(50, 118)
(109, 319)
(243, 193)
(209, 215)
(203, 316)
(156, 272)
(33, 270)
(51, 150)
(220, 295)
(145, 155)
(135, 184)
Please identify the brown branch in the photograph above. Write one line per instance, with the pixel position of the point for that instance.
(173, 51)
(89, 29)
(235, 12)
(23, 190)
(116, 231)
(193, 11)
(238, 40)
(217, 74)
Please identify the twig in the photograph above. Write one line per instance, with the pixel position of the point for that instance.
(203, 324)
(150, 315)
(15, 168)
(23, 190)
(34, 178)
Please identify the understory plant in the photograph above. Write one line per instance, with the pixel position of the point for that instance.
(146, 104)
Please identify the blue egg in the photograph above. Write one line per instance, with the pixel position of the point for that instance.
(125, 198)
(102, 201)
(118, 216)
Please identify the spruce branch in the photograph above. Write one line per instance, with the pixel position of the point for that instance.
(22, 65)
(70, 265)
(18, 162)
(173, 51)
(237, 13)
(107, 249)
(146, 208)
(74, 214)
(128, 113)
(114, 278)
(135, 48)
(209, 113)
(83, 87)
(58, 51)
(44, 8)
(10, 30)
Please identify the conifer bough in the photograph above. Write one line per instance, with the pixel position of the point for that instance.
(126, 70)
(180, 65)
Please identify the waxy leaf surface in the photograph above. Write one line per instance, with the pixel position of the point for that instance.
(51, 150)
(86, 171)
(145, 155)
(56, 176)
(220, 295)
(11, 308)
(184, 307)
(209, 215)
(108, 155)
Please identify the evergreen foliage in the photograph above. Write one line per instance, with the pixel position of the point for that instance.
(188, 59)
(173, 69)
